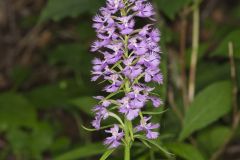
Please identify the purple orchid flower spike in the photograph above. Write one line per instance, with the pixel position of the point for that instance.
(129, 60)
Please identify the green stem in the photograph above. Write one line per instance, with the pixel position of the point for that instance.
(127, 152)
(195, 48)
(127, 125)
(127, 140)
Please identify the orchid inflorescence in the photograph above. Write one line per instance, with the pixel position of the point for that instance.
(129, 60)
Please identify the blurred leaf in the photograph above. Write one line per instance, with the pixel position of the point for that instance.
(167, 37)
(206, 76)
(19, 74)
(186, 151)
(16, 111)
(85, 104)
(56, 94)
(107, 154)
(83, 152)
(74, 56)
(235, 13)
(171, 8)
(213, 138)
(155, 144)
(18, 140)
(31, 143)
(222, 49)
(60, 144)
(40, 139)
(209, 105)
(171, 123)
(59, 9)
(85, 31)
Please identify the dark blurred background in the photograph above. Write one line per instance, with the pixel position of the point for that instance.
(45, 88)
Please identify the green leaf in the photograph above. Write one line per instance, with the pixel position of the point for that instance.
(53, 95)
(222, 49)
(18, 140)
(171, 8)
(107, 154)
(206, 76)
(74, 56)
(93, 129)
(85, 104)
(31, 143)
(60, 144)
(16, 111)
(40, 139)
(111, 114)
(19, 74)
(154, 113)
(59, 9)
(145, 143)
(186, 151)
(208, 106)
(83, 152)
(213, 138)
(154, 143)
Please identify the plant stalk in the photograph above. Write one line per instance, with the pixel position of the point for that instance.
(127, 141)
(127, 152)
(195, 48)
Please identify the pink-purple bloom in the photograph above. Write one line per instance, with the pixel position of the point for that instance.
(101, 113)
(115, 139)
(148, 127)
(129, 59)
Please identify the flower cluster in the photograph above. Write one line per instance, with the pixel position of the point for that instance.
(129, 60)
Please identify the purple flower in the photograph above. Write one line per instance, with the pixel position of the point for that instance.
(156, 101)
(98, 68)
(101, 113)
(143, 9)
(114, 5)
(116, 83)
(114, 140)
(148, 127)
(128, 109)
(138, 45)
(108, 34)
(145, 30)
(153, 46)
(131, 71)
(105, 102)
(103, 20)
(115, 54)
(150, 60)
(112, 58)
(155, 35)
(98, 64)
(126, 24)
(98, 44)
(137, 99)
(153, 74)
